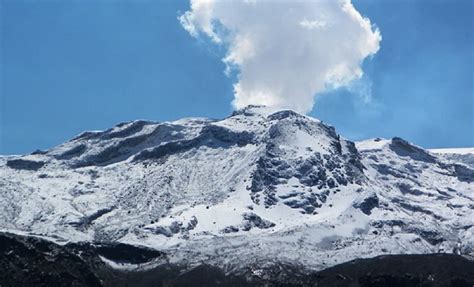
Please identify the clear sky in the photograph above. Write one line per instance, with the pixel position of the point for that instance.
(70, 66)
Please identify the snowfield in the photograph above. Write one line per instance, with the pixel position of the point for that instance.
(452, 150)
(257, 187)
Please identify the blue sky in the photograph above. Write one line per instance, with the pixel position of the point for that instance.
(70, 66)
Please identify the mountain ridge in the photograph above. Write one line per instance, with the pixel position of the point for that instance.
(256, 187)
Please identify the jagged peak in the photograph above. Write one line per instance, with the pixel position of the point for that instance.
(268, 112)
(256, 110)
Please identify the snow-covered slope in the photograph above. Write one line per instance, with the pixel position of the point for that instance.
(467, 150)
(260, 186)
(464, 155)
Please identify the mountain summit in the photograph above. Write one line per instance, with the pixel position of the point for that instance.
(257, 186)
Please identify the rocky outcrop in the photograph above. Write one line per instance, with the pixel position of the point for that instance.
(25, 164)
(367, 204)
(405, 149)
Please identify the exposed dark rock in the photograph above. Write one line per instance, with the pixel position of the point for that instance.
(161, 230)
(32, 262)
(87, 135)
(463, 173)
(126, 143)
(412, 168)
(403, 148)
(391, 223)
(354, 157)
(86, 221)
(466, 159)
(133, 128)
(284, 114)
(163, 150)
(192, 223)
(247, 111)
(253, 220)
(230, 229)
(175, 227)
(388, 170)
(295, 203)
(124, 253)
(292, 193)
(432, 237)
(73, 152)
(415, 208)
(211, 135)
(35, 262)
(368, 204)
(401, 270)
(226, 135)
(112, 152)
(38, 151)
(321, 171)
(25, 164)
(408, 189)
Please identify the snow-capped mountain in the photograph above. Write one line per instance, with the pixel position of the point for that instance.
(259, 186)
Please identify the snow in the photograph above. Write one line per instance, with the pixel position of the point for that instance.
(372, 144)
(462, 151)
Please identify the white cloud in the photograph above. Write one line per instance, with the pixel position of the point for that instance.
(285, 51)
(312, 24)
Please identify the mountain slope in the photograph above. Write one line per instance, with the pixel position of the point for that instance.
(32, 261)
(463, 155)
(258, 187)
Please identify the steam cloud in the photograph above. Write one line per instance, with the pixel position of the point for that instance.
(285, 51)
